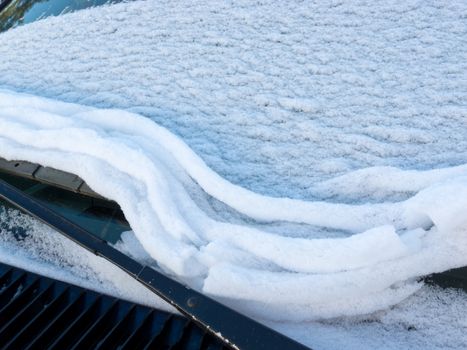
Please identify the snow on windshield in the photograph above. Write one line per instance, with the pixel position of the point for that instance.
(297, 161)
(33, 246)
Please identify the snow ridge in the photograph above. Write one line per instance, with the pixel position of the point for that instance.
(163, 187)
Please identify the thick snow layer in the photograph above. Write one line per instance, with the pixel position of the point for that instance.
(273, 95)
(356, 110)
(371, 262)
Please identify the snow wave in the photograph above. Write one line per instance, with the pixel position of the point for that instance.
(161, 185)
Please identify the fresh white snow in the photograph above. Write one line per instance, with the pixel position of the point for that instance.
(158, 181)
(350, 119)
(273, 95)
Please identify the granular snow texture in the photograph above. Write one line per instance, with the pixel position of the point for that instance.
(360, 109)
(273, 95)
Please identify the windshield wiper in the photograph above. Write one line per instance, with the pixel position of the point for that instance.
(233, 328)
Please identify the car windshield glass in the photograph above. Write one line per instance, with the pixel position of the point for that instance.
(103, 218)
(19, 12)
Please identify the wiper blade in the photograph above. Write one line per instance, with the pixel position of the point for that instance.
(234, 329)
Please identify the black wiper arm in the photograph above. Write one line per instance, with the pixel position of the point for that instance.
(233, 328)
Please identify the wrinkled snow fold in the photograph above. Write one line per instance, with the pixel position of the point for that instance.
(160, 183)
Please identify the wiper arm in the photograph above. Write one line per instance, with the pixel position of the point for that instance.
(234, 329)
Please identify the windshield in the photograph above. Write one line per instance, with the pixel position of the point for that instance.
(305, 161)
(101, 217)
(18, 12)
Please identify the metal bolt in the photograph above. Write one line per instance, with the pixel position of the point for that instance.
(192, 302)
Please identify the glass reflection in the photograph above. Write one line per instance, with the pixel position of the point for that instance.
(19, 12)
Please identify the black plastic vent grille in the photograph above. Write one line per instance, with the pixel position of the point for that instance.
(37, 312)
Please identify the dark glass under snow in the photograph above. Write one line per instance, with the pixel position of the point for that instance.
(101, 217)
(19, 12)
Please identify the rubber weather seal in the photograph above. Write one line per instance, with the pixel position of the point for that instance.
(234, 329)
(46, 175)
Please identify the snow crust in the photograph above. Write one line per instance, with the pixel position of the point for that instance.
(273, 95)
(350, 118)
(160, 182)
